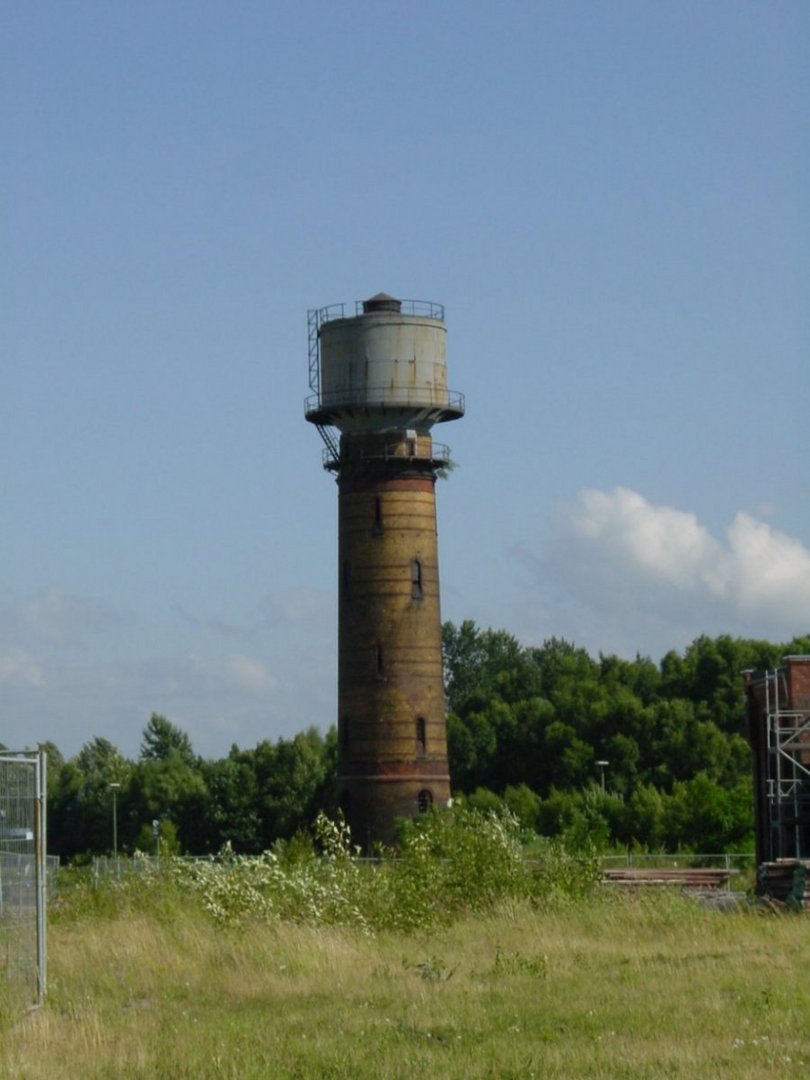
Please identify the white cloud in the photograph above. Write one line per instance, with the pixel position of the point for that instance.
(297, 607)
(627, 574)
(72, 667)
(19, 669)
(196, 674)
(772, 570)
(659, 543)
(54, 617)
(285, 611)
(245, 674)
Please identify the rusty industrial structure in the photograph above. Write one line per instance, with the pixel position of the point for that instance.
(778, 714)
(378, 377)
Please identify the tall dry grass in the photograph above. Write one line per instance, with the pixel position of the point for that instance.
(610, 986)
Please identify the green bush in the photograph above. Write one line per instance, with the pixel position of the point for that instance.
(445, 864)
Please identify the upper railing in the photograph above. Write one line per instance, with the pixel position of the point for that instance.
(425, 309)
(439, 455)
(385, 397)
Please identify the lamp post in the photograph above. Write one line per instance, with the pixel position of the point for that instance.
(602, 766)
(114, 786)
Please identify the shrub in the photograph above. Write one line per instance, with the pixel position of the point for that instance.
(461, 860)
(446, 863)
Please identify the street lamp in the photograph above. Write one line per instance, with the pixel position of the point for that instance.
(602, 766)
(114, 788)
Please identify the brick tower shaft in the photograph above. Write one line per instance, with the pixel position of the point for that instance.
(391, 719)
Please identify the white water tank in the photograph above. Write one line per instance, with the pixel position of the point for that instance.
(384, 368)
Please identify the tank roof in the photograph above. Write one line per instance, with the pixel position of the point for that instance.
(382, 301)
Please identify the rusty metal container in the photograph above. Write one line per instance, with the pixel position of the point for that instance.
(383, 368)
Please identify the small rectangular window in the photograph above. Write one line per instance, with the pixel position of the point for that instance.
(416, 580)
(421, 744)
(377, 527)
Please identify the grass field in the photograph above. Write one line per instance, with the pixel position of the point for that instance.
(615, 985)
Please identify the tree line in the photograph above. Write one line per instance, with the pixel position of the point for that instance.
(185, 803)
(625, 753)
(530, 727)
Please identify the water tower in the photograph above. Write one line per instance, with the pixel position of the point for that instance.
(379, 381)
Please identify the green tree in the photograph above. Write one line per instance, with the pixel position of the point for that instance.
(295, 779)
(573, 759)
(484, 801)
(80, 805)
(162, 740)
(643, 819)
(165, 789)
(54, 765)
(702, 816)
(561, 663)
(472, 744)
(524, 804)
(480, 665)
(158, 840)
(229, 813)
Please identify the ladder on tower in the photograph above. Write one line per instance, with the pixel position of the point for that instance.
(331, 443)
(313, 328)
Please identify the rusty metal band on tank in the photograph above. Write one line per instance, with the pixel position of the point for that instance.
(378, 376)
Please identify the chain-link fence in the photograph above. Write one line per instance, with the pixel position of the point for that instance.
(23, 875)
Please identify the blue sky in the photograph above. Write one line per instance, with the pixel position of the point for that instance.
(611, 202)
